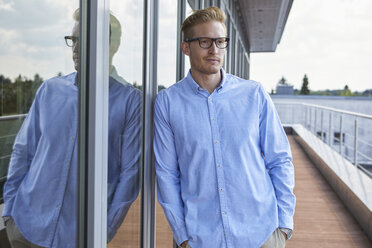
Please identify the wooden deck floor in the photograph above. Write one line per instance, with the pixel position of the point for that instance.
(321, 220)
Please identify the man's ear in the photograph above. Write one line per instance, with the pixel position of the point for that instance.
(185, 46)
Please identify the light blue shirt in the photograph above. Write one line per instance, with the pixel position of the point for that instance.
(223, 163)
(41, 189)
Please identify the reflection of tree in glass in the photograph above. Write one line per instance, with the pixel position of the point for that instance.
(16, 96)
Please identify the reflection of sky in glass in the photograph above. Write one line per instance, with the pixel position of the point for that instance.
(128, 59)
(187, 61)
(167, 50)
(32, 37)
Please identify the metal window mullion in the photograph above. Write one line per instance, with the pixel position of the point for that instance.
(149, 71)
(93, 123)
(181, 14)
(200, 4)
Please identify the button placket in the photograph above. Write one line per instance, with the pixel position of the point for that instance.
(218, 164)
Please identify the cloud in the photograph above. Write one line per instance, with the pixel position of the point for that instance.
(32, 36)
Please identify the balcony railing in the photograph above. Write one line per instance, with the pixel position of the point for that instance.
(9, 126)
(348, 133)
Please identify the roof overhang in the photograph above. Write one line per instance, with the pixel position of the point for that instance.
(264, 21)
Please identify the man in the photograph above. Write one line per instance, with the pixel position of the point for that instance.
(41, 190)
(223, 162)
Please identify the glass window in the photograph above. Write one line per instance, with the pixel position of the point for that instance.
(167, 53)
(187, 61)
(167, 43)
(125, 124)
(39, 60)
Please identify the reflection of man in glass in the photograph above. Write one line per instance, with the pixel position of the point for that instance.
(41, 190)
(223, 162)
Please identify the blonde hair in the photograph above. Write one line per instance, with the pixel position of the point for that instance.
(202, 16)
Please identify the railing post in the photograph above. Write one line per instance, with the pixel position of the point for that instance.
(307, 110)
(293, 106)
(356, 142)
(321, 126)
(310, 119)
(315, 115)
(330, 129)
(303, 115)
(340, 151)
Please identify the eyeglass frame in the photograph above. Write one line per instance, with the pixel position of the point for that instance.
(213, 40)
(74, 39)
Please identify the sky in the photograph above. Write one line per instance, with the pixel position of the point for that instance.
(329, 41)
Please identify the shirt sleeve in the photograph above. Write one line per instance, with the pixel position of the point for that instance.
(128, 187)
(278, 159)
(24, 149)
(167, 170)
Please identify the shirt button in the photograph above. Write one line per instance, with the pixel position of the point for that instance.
(72, 138)
(212, 119)
(223, 213)
(58, 206)
(218, 165)
(67, 161)
(221, 189)
(216, 142)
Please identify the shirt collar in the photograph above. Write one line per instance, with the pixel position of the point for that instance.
(73, 77)
(195, 86)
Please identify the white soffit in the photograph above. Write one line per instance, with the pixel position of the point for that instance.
(265, 21)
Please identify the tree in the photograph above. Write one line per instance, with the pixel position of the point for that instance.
(305, 86)
(346, 91)
(283, 81)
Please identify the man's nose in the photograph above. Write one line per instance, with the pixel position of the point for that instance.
(213, 49)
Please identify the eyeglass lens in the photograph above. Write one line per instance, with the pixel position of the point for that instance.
(207, 42)
(71, 40)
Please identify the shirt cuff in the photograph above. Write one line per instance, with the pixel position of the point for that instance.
(181, 235)
(286, 221)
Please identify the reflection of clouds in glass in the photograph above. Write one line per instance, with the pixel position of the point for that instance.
(30, 14)
(128, 59)
(167, 42)
(32, 37)
(6, 5)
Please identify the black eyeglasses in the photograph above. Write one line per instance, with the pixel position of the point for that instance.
(206, 42)
(71, 40)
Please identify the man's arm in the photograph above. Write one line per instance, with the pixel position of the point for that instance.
(167, 170)
(278, 159)
(24, 149)
(128, 186)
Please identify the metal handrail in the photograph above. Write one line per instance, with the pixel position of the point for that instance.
(328, 108)
(364, 142)
(6, 156)
(3, 179)
(314, 118)
(7, 136)
(12, 117)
